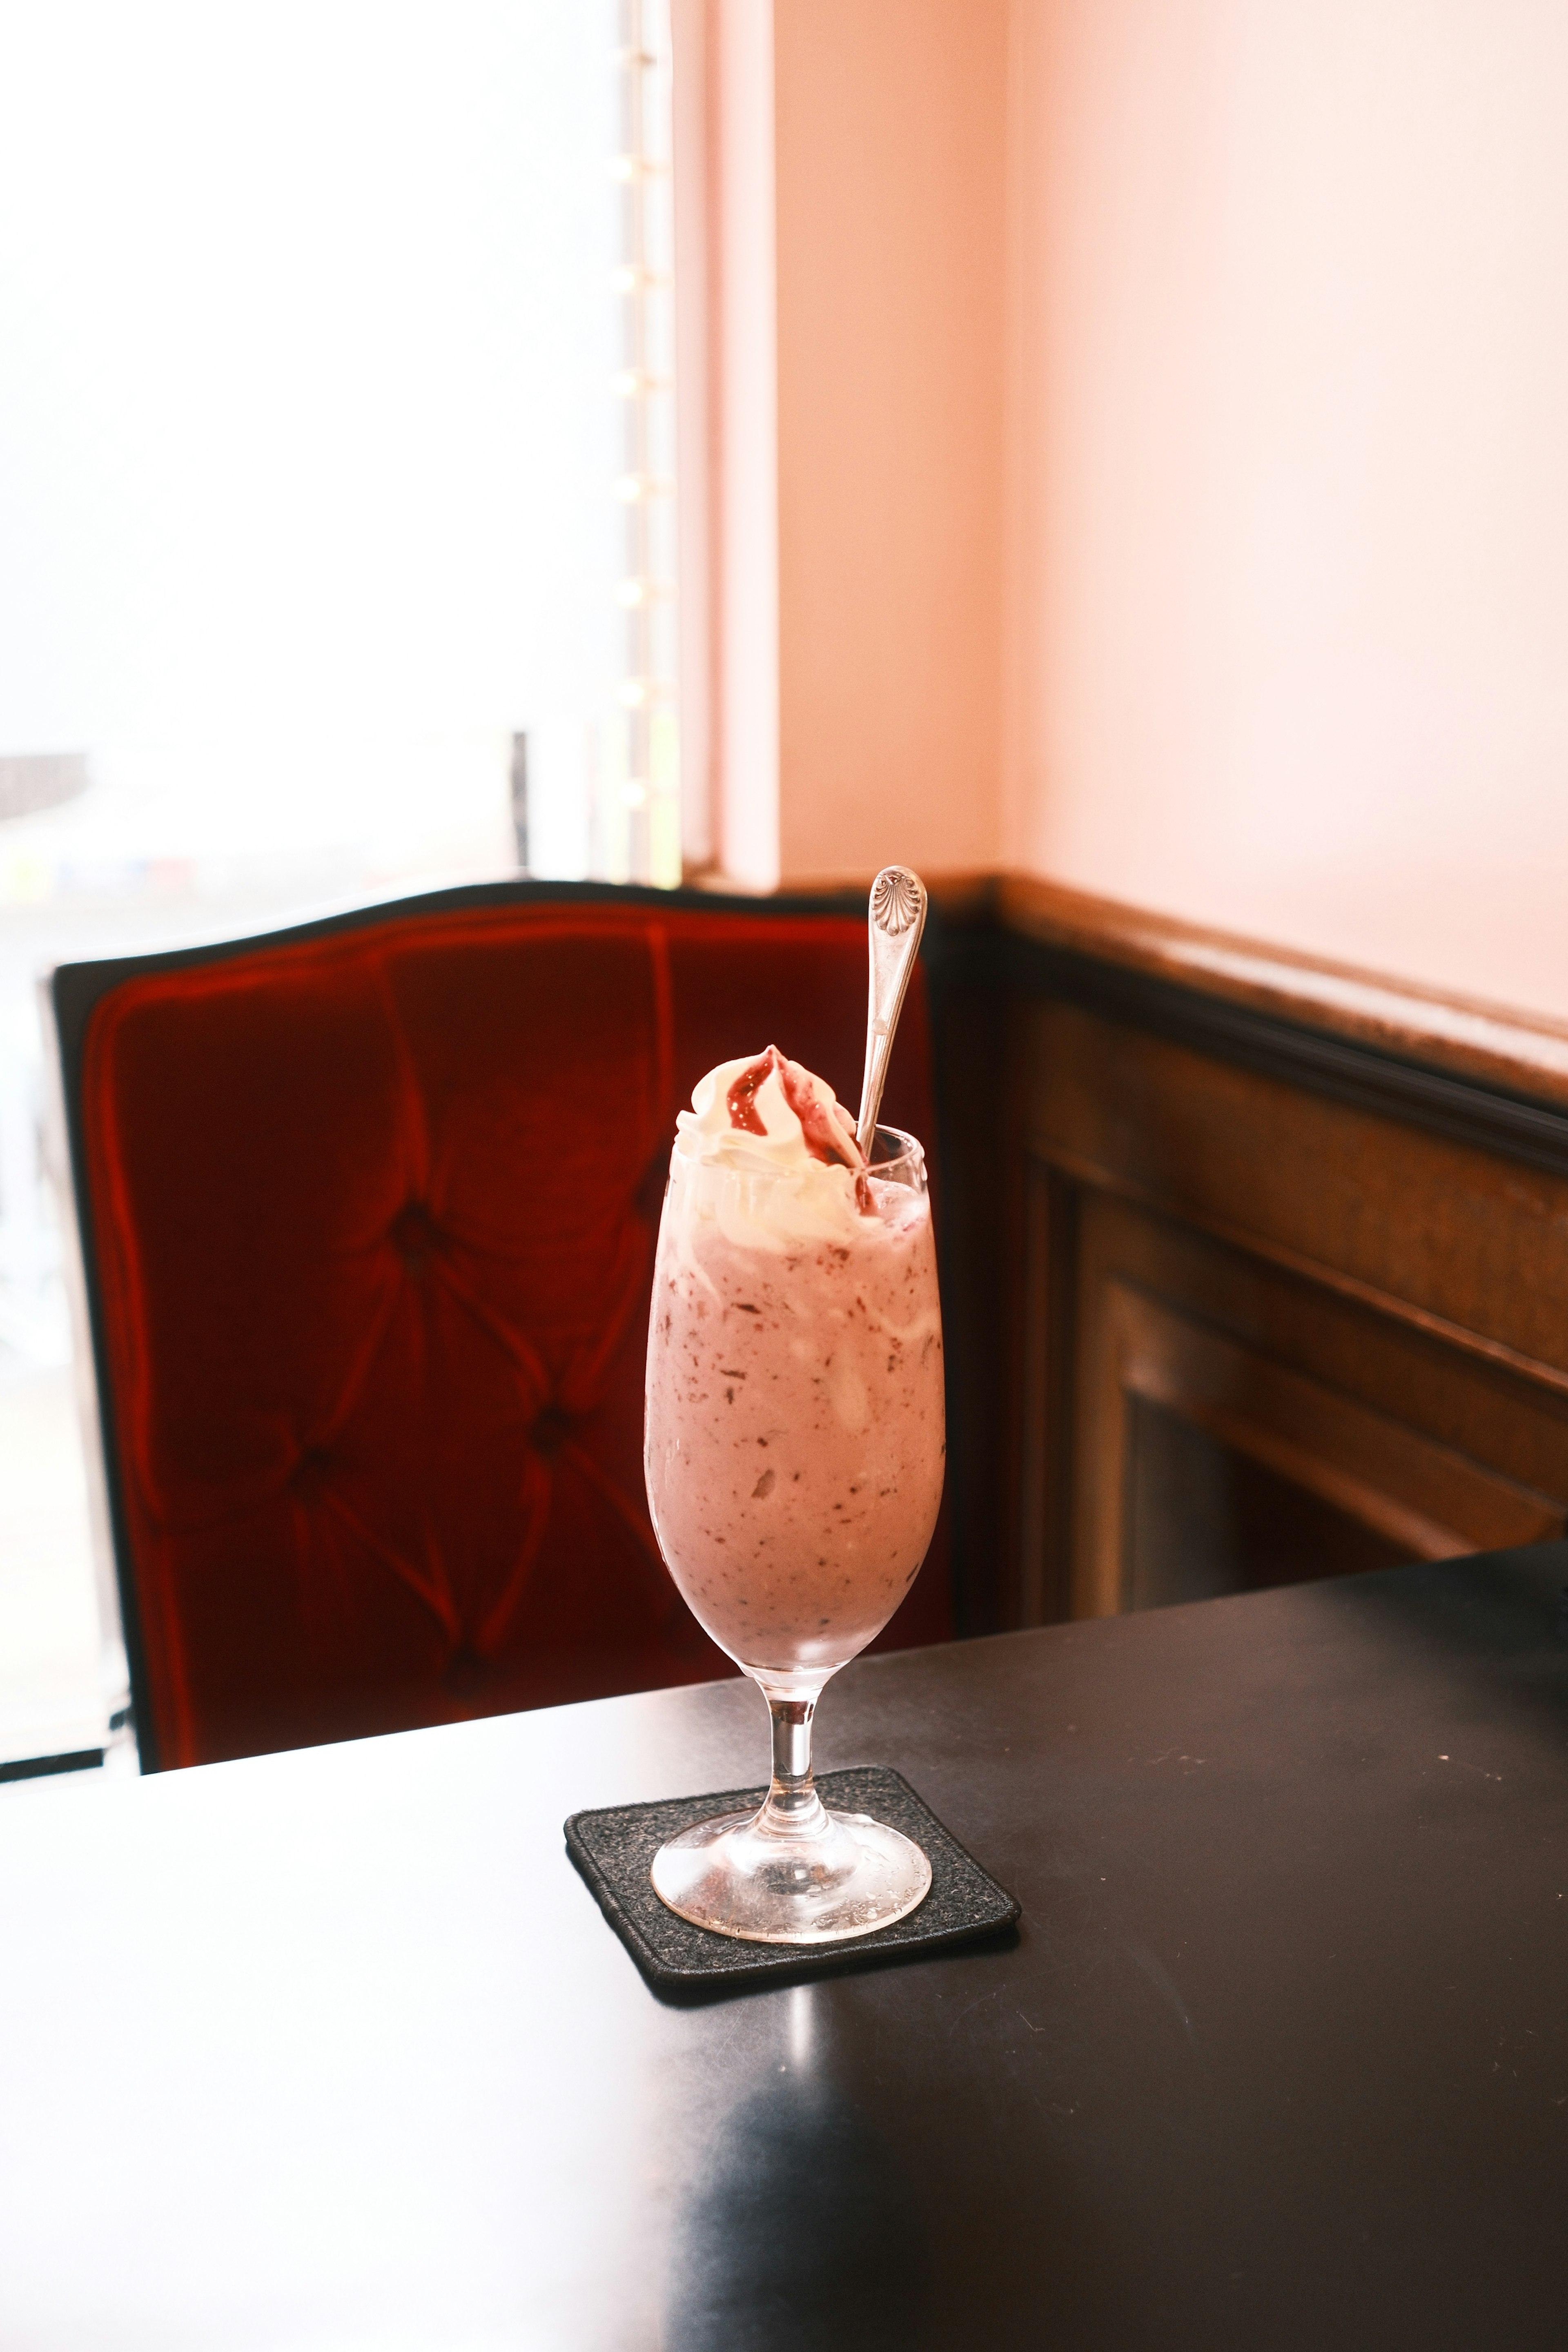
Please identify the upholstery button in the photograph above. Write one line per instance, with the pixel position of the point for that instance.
(311, 1472)
(413, 1236)
(467, 1677)
(647, 1201)
(550, 1429)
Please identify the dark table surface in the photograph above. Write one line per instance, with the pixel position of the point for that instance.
(333, 2050)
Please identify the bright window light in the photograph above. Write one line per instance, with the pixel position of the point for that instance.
(332, 544)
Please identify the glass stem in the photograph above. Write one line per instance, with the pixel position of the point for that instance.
(793, 1808)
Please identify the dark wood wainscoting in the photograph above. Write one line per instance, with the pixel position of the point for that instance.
(1285, 1280)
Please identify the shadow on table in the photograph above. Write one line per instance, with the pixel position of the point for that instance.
(837, 2210)
(804, 2230)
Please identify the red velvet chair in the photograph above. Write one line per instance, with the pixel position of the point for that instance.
(368, 1211)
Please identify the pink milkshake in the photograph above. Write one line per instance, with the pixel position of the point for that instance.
(794, 1441)
(795, 1430)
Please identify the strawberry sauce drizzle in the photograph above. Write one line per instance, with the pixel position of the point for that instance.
(825, 1138)
(740, 1102)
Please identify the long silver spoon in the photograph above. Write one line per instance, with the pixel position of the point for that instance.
(896, 919)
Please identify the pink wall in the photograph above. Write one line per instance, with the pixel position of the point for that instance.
(1288, 468)
(891, 245)
(1163, 430)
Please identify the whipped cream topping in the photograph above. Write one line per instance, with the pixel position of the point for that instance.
(767, 1114)
(769, 1150)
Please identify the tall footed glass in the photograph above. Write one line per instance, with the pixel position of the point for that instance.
(795, 1444)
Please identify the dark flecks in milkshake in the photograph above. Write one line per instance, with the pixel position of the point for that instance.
(856, 1590)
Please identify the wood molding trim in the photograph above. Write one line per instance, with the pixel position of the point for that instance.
(1487, 1045)
(1474, 1111)
(1375, 1469)
(1089, 1173)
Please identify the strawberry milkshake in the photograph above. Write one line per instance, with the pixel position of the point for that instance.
(795, 1430)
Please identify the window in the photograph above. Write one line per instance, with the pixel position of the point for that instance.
(336, 533)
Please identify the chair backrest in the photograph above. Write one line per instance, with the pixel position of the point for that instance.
(368, 1211)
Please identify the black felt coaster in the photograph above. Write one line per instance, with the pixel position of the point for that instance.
(615, 1848)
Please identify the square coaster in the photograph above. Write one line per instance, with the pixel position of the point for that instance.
(615, 1848)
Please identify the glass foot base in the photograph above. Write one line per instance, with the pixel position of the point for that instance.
(739, 1879)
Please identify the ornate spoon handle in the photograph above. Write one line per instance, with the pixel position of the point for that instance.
(896, 918)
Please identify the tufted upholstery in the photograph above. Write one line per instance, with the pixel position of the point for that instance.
(369, 1217)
